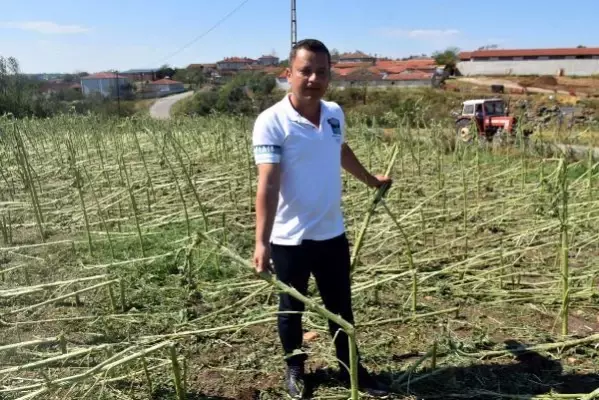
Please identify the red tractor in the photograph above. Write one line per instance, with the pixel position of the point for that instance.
(488, 117)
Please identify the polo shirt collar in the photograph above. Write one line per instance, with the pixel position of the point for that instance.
(295, 116)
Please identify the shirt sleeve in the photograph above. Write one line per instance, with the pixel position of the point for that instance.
(267, 141)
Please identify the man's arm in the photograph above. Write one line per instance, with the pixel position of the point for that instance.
(351, 164)
(267, 197)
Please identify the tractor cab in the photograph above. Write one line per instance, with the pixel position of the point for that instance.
(484, 108)
(488, 115)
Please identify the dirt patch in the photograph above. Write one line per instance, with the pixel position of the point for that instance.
(233, 384)
(546, 80)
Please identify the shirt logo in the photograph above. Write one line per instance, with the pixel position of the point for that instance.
(336, 127)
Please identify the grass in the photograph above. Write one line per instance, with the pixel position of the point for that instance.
(123, 269)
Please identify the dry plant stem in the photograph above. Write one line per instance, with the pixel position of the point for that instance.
(369, 213)
(409, 257)
(33, 289)
(29, 343)
(105, 366)
(55, 299)
(176, 373)
(23, 161)
(133, 206)
(51, 360)
(590, 169)
(311, 304)
(536, 348)
(100, 213)
(190, 182)
(145, 164)
(564, 250)
(593, 395)
(409, 318)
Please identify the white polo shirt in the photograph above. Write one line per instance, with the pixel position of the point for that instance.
(309, 204)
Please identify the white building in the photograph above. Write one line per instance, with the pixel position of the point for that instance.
(561, 62)
(268, 60)
(105, 84)
(166, 86)
(234, 63)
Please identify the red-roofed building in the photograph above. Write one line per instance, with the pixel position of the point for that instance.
(356, 57)
(104, 84)
(582, 61)
(234, 63)
(166, 86)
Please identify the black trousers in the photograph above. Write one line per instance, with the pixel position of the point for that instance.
(329, 262)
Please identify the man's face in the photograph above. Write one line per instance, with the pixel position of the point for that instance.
(309, 75)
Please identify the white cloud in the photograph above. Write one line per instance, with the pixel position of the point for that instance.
(420, 33)
(45, 27)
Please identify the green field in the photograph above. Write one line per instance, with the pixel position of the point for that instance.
(124, 274)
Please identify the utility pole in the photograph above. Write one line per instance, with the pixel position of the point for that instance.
(118, 93)
(293, 23)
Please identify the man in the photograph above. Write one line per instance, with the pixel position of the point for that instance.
(299, 147)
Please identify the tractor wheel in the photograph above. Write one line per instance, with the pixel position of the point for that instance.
(464, 133)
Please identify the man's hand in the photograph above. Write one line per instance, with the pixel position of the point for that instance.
(267, 196)
(262, 258)
(380, 180)
(351, 164)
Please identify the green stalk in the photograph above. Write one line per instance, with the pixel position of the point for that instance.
(143, 159)
(144, 363)
(369, 213)
(590, 169)
(28, 181)
(564, 248)
(465, 208)
(100, 213)
(133, 206)
(191, 184)
(176, 373)
(409, 256)
(79, 185)
(179, 190)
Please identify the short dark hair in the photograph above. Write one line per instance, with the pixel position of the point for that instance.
(312, 45)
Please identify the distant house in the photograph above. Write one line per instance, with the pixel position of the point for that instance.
(56, 86)
(206, 68)
(234, 63)
(104, 84)
(140, 75)
(357, 57)
(166, 86)
(268, 60)
(582, 61)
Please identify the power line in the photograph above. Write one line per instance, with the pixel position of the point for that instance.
(223, 19)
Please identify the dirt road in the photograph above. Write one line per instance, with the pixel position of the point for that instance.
(161, 109)
(507, 84)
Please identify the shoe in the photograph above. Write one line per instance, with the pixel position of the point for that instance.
(294, 381)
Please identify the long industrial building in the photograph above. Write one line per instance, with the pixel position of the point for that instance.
(578, 61)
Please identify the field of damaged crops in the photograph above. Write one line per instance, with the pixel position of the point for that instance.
(125, 274)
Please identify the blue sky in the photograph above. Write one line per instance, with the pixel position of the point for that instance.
(85, 35)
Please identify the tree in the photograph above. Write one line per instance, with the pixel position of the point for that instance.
(164, 72)
(196, 77)
(335, 55)
(448, 57)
